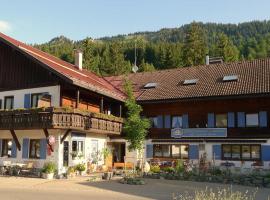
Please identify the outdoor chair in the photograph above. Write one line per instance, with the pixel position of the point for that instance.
(27, 169)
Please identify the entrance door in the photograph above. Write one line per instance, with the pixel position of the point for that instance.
(66, 153)
(119, 152)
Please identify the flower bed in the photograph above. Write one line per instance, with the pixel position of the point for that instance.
(183, 171)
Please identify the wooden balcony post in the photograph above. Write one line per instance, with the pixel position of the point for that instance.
(18, 145)
(120, 110)
(102, 105)
(46, 133)
(77, 98)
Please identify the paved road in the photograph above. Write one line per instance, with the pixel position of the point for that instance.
(12, 188)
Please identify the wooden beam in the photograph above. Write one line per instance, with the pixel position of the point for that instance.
(101, 105)
(65, 135)
(120, 110)
(77, 98)
(18, 145)
(47, 138)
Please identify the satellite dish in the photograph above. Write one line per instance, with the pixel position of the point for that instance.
(135, 68)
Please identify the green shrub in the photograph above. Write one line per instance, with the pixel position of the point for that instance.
(49, 168)
(155, 168)
(168, 169)
(80, 167)
(220, 194)
(179, 166)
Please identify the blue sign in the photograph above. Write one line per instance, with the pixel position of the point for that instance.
(198, 132)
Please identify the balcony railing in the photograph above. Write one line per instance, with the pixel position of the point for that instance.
(60, 118)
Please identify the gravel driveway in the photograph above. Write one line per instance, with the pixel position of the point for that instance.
(12, 188)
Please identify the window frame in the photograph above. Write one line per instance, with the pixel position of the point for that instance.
(172, 116)
(170, 150)
(35, 94)
(2, 149)
(241, 152)
(252, 126)
(226, 120)
(77, 146)
(5, 102)
(38, 141)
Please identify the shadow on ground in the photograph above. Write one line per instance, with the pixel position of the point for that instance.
(165, 189)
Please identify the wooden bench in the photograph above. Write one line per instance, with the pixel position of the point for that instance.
(127, 165)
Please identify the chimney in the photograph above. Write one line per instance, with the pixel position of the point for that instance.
(78, 58)
(207, 60)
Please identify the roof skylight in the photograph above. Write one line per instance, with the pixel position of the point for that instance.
(229, 78)
(190, 81)
(150, 85)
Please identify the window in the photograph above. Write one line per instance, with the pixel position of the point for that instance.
(190, 81)
(241, 152)
(177, 122)
(236, 155)
(171, 151)
(221, 120)
(150, 85)
(9, 103)
(162, 150)
(180, 151)
(252, 120)
(34, 148)
(230, 78)
(157, 121)
(78, 147)
(34, 99)
(154, 121)
(6, 148)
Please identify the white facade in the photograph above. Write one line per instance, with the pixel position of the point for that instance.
(54, 91)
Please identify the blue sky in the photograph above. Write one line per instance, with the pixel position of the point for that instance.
(36, 21)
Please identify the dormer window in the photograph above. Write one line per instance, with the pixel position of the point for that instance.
(190, 81)
(150, 85)
(229, 78)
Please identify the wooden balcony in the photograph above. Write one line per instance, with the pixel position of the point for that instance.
(60, 118)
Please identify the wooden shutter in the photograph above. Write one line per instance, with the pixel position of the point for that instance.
(25, 150)
(185, 121)
(27, 101)
(241, 120)
(211, 120)
(160, 121)
(149, 151)
(231, 120)
(193, 152)
(263, 119)
(13, 149)
(216, 151)
(43, 148)
(265, 152)
(167, 121)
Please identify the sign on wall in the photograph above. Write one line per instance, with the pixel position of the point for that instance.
(198, 132)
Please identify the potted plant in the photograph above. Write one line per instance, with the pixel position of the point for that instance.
(80, 168)
(105, 152)
(48, 170)
(71, 172)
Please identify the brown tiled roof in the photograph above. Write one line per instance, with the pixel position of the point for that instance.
(253, 79)
(82, 78)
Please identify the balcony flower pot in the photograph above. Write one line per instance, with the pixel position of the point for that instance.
(48, 170)
(47, 176)
(107, 175)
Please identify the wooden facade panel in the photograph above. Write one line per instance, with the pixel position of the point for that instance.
(198, 110)
(18, 72)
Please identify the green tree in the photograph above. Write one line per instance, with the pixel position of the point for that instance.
(195, 46)
(146, 67)
(135, 126)
(226, 48)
